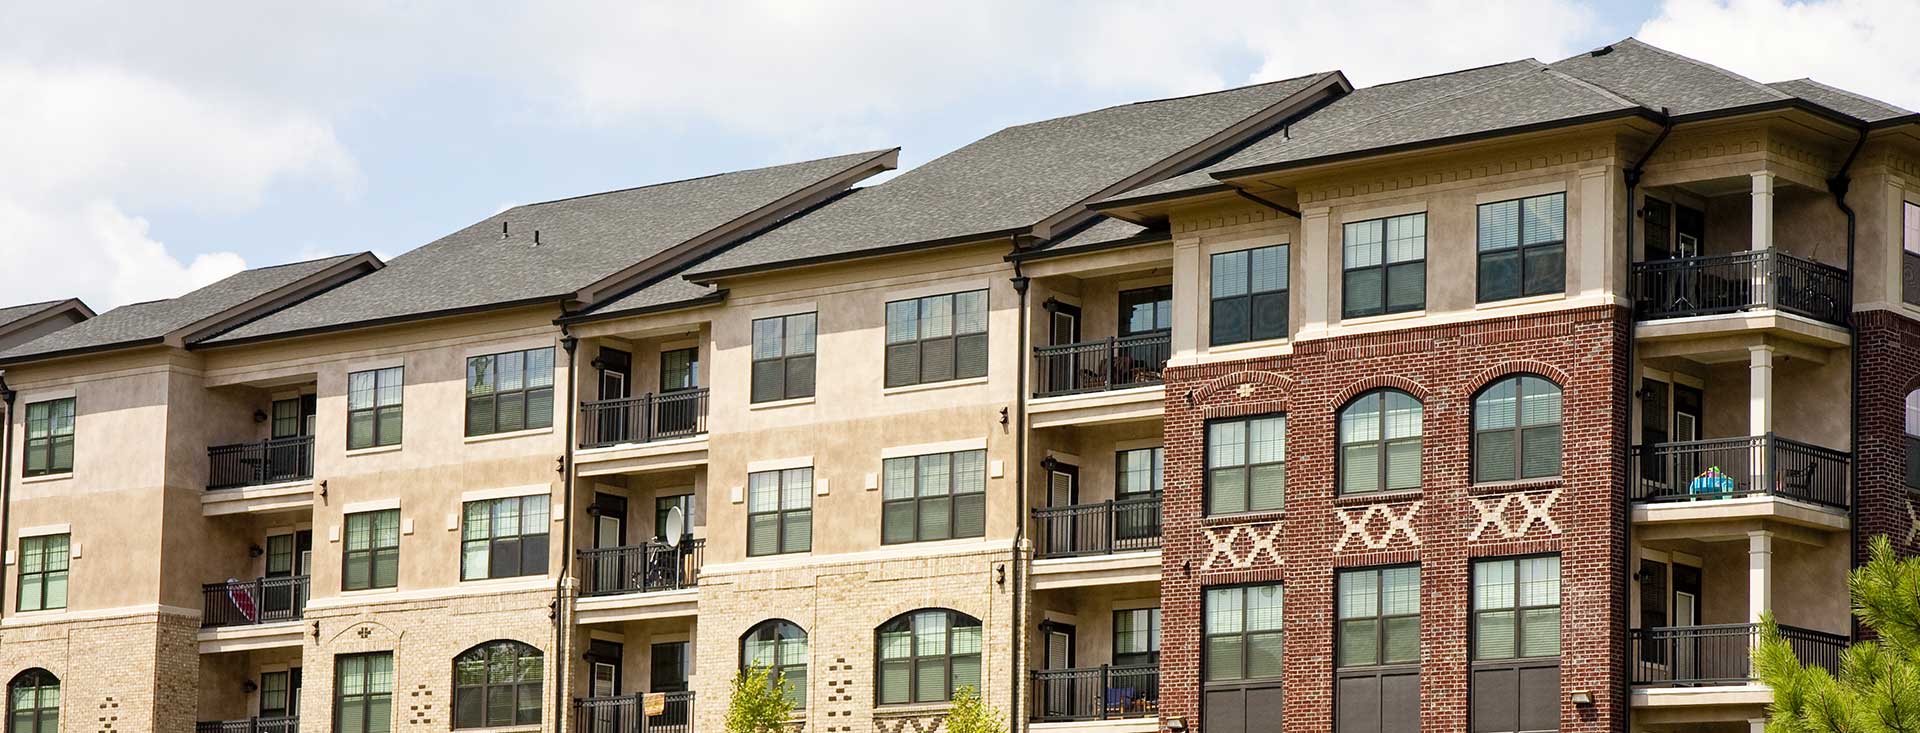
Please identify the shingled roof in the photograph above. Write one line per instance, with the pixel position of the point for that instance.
(1014, 179)
(16, 313)
(157, 321)
(26, 322)
(1857, 105)
(549, 251)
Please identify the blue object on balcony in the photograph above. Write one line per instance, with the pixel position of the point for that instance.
(1712, 481)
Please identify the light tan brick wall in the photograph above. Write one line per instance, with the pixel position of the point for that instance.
(135, 672)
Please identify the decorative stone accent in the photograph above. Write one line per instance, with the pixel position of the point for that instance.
(1533, 507)
(1363, 531)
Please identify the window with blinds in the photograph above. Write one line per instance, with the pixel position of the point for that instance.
(1910, 260)
(783, 356)
(1516, 608)
(780, 511)
(497, 684)
(43, 572)
(1385, 262)
(1138, 471)
(1246, 465)
(1913, 440)
(371, 556)
(934, 497)
(1523, 247)
(49, 447)
(924, 656)
(373, 408)
(33, 702)
(1136, 637)
(1243, 635)
(1249, 295)
(363, 693)
(1516, 430)
(510, 391)
(780, 647)
(937, 338)
(1379, 617)
(504, 538)
(1380, 443)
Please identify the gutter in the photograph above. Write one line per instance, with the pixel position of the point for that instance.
(1019, 664)
(708, 277)
(717, 296)
(1623, 630)
(560, 610)
(1623, 113)
(1151, 236)
(377, 322)
(7, 396)
(1838, 185)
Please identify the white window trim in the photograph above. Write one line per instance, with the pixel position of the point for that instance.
(506, 493)
(780, 310)
(370, 505)
(951, 446)
(1521, 192)
(45, 530)
(943, 287)
(1381, 212)
(46, 395)
(370, 365)
(779, 464)
(503, 347)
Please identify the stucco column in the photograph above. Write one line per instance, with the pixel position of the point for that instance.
(1757, 726)
(1189, 298)
(1759, 574)
(1762, 210)
(1759, 412)
(1315, 261)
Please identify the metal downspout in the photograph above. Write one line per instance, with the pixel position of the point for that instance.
(1623, 690)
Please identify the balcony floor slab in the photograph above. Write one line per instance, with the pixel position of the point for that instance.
(662, 455)
(283, 634)
(265, 499)
(1118, 569)
(1737, 515)
(1094, 408)
(636, 606)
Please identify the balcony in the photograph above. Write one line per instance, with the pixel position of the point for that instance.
(275, 724)
(1740, 467)
(1107, 692)
(273, 461)
(1739, 282)
(644, 419)
(1720, 654)
(253, 602)
(1105, 528)
(647, 568)
(1098, 366)
(672, 712)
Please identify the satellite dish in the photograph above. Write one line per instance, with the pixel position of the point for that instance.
(676, 526)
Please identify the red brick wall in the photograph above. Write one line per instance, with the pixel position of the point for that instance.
(1319, 532)
(1889, 369)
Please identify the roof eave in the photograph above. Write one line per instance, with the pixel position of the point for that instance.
(1143, 238)
(380, 322)
(80, 351)
(715, 297)
(709, 277)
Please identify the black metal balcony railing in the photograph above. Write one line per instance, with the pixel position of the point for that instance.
(654, 566)
(1720, 654)
(1698, 286)
(643, 419)
(1732, 467)
(249, 602)
(627, 714)
(1095, 366)
(1096, 693)
(1126, 525)
(259, 463)
(274, 724)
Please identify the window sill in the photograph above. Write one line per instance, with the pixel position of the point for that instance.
(1508, 487)
(1377, 497)
(503, 580)
(39, 612)
(1523, 300)
(1218, 520)
(530, 728)
(509, 436)
(911, 708)
(905, 388)
(777, 404)
(46, 477)
(368, 592)
(1383, 317)
(1248, 345)
(375, 450)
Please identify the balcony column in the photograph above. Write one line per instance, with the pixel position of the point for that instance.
(1189, 298)
(1759, 411)
(1759, 574)
(1762, 237)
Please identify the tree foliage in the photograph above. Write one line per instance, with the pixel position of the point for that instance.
(970, 714)
(759, 702)
(1878, 688)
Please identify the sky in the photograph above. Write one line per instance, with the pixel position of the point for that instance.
(147, 149)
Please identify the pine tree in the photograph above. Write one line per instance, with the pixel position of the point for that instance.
(1878, 689)
(760, 702)
(970, 714)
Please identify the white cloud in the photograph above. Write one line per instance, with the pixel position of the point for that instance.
(1864, 46)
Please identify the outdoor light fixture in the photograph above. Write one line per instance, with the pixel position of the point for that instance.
(259, 415)
(249, 686)
(1581, 697)
(255, 551)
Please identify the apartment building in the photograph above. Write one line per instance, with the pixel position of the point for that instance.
(1575, 383)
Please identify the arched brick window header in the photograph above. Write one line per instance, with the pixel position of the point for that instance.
(1384, 381)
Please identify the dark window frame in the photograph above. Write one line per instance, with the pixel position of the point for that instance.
(1156, 472)
(367, 697)
(1518, 431)
(1521, 250)
(517, 688)
(1386, 267)
(1381, 442)
(1249, 297)
(46, 447)
(1160, 297)
(42, 718)
(955, 339)
(1911, 432)
(376, 408)
(780, 512)
(954, 620)
(789, 359)
(373, 554)
(1245, 634)
(485, 395)
(780, 667)
(1379, 617)
(1475, 612)
(920, 500)
(1246, 467)
(528, 550)
(43, 578)
(1125, 658)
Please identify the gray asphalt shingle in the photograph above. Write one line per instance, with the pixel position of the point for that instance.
(1011, 179)
(13, 313)
(582, 239)
(1655, 77)
(1841, 100)
(138, 322)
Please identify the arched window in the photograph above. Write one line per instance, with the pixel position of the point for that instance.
(781, 647)
(1913, 440)
(1516, 429)
(923, 656)
(496, 684)
(1380, 442)
(33, 702)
